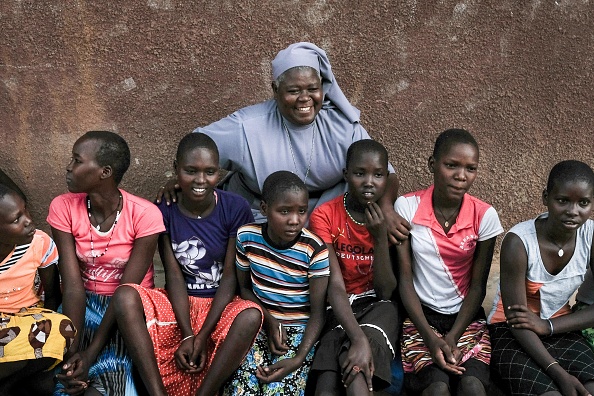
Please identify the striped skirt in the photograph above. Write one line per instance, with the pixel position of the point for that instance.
(111, 373)
(473, 344)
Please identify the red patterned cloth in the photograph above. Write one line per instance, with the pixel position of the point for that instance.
(474, 343)
(166, 335)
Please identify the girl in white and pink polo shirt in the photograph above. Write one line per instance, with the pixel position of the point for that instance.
(443, 270)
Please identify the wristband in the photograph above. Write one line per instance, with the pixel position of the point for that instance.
(550, 364)
(551, 326)
(186, 338)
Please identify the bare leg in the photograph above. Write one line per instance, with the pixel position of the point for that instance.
(328, 383)
(232, 351)
(437, 389)
(131, 322)
(590, 387)
(359, 384)
(471, 386)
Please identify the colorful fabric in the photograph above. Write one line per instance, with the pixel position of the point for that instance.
(352, 243)
(101, 275)
(244, 138)
(524, 376)
(111, 373)
(548, 295)
(34, 333)
(280, 277)
(442, 263)
(199, 245)
(166, 335)
(18, 284)
(245, 382)
(473, 344)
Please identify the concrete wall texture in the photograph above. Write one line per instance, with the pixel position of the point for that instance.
(518, 74)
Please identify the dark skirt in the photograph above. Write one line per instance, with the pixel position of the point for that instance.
(523, 376)
(379, 322)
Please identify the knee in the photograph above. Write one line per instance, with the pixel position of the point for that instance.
(250, 320)
(471, 386)
(326, 392)
(326, 384)
(125, 300)
(437, 388)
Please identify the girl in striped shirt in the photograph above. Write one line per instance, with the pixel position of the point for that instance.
(284, 268)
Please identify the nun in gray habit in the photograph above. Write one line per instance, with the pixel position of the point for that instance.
(299, 130)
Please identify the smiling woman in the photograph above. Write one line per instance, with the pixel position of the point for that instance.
(309, 120)
(306, 128)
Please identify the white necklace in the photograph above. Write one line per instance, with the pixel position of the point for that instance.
(347, 211)
(313, 142)
(561, 252)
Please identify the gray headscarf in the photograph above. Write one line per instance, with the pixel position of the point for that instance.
(308, 54)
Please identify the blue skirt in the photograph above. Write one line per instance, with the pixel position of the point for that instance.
(111, 373)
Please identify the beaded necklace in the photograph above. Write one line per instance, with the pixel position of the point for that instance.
(347, 210)
(115, 222)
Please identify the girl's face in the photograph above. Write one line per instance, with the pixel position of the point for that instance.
(454, 171)
(286, 216)
(367, 177)
(197, 174)
(569, 203)
(16, 226)
(83, 172)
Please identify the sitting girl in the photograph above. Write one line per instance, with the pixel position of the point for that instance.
(354, 230)
(33, 338)
(105, 237)
(283, 267)
(537, 347)
(189, 338)
(443, 270)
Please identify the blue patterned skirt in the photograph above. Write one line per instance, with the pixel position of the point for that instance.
(111, 373)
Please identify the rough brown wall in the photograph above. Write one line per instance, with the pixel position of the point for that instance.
(516, 73)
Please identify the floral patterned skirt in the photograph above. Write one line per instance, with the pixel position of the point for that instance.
(244, 381)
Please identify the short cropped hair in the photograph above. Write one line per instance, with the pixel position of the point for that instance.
(195, 140)
(449, 137)
(366, 146)
(113, 151)
(5, 190)
(279, 182)
(570, 171)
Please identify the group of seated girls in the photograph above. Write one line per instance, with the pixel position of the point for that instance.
(313, 302)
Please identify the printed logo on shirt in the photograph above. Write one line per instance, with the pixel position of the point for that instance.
(190, 255)
(469, 242)
(353, 252)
